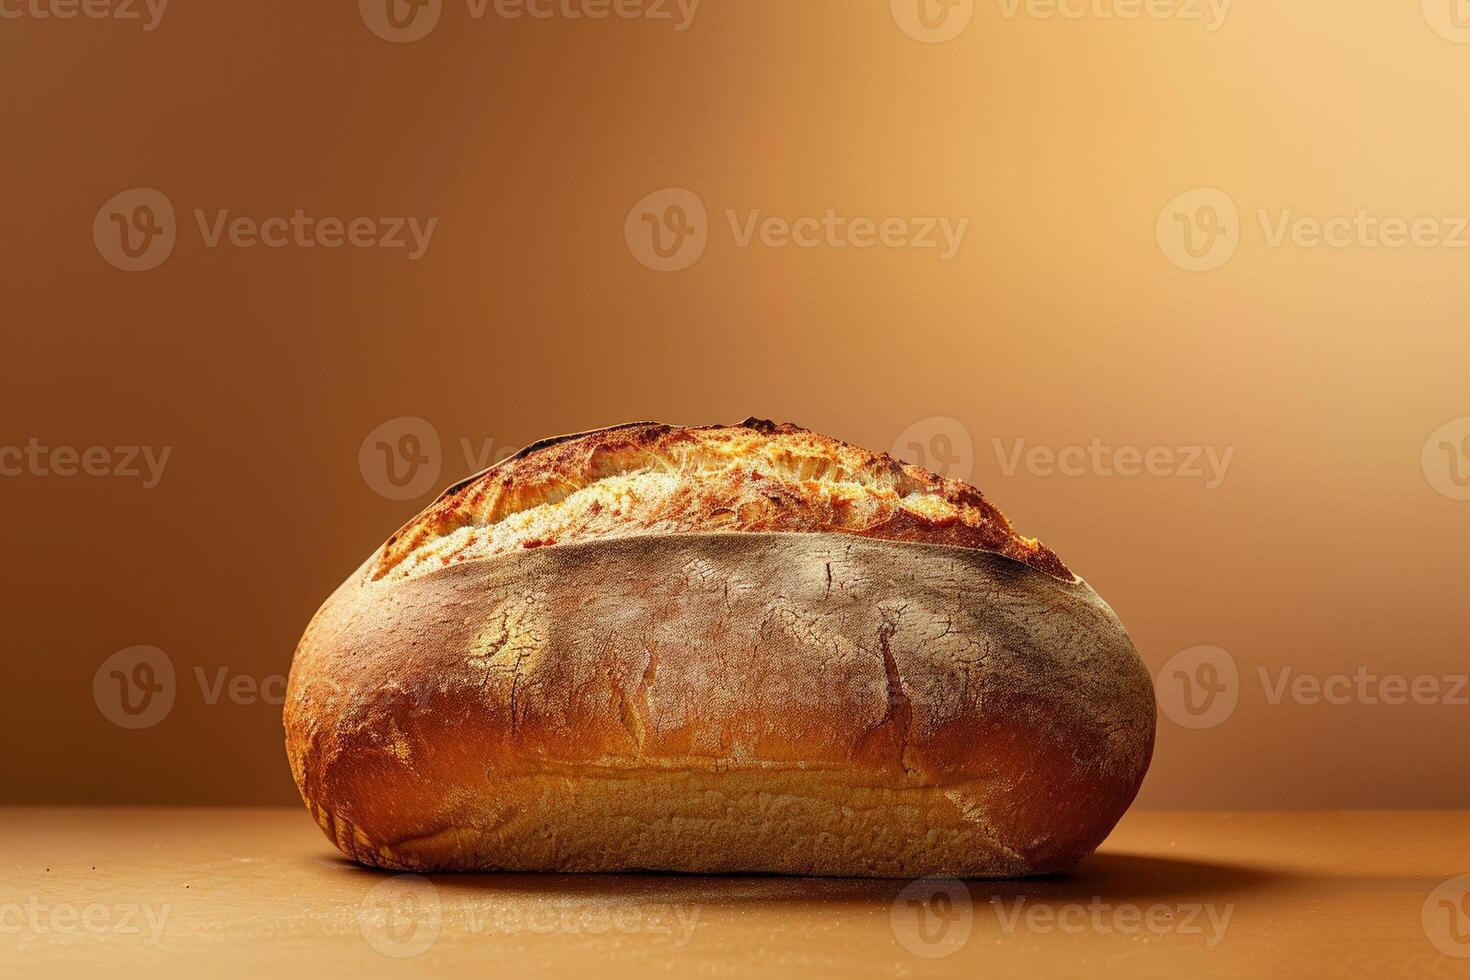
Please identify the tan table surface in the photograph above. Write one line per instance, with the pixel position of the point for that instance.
(156, 892)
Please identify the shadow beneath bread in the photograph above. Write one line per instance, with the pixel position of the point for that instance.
(1112, 877)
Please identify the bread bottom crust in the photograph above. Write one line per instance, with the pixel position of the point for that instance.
(784, 822)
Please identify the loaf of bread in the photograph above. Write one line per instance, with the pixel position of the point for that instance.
(730, 648)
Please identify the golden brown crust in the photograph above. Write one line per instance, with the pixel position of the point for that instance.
(647, 478)
(815, 703)
(735, 648)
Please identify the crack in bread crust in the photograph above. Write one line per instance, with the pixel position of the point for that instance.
(648, 478)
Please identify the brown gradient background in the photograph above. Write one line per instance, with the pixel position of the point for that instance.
(1326, 547)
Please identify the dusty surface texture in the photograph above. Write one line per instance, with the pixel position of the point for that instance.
(647, 478)
(256, 893)
(798, 702)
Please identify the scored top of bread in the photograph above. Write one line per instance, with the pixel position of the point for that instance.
(649, 478)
